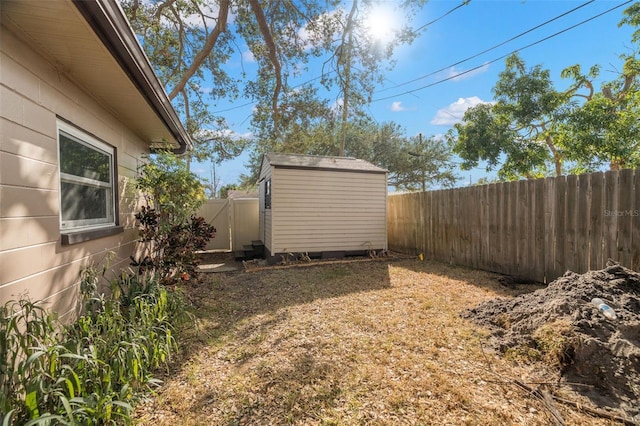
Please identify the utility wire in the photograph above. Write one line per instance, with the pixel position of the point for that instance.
(464, 3)
(489, 49)
(504, 56)
(463, 60)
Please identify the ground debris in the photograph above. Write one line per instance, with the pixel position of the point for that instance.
(560, 324)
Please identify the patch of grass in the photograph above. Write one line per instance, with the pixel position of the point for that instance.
(369, 343)
(555, 344)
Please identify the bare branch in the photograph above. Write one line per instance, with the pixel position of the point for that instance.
(273, 57)
(180, 39)
(212, 38)
(163, 6)
(628, 80)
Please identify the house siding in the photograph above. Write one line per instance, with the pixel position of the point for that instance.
(327, 210)
(33, 93)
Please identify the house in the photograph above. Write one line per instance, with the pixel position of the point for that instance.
(79, 106)
(322, 206)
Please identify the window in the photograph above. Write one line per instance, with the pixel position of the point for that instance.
(87, 187)
(267, 194)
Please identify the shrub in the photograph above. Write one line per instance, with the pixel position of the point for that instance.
(167, 224)
(94, 370)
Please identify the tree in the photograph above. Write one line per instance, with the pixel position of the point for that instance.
(604, 128)
(412, 163)
(519, 128)
(534, 129)
(190, 41)
(224, 191)
(422, 163)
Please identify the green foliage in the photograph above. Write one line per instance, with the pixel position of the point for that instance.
(422, 163)
(382, 144)
(188, 42)
(92, 371)
(518, 130)
(533, 130)
(170, 188)
(224, 191)
(168, 223)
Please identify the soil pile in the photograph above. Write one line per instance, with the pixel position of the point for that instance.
(561, 324)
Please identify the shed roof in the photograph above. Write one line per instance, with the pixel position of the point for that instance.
(300, 161)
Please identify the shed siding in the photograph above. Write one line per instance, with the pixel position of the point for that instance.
(32, 260)
(327, 210)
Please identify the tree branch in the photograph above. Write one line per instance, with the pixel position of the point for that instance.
(163, 6)
(208, 46)
(273, 58)
(180, 38)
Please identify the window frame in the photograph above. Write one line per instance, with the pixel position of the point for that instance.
(267, 194)
(74, 231)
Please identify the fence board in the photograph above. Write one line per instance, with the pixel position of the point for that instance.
(635, 236)
(571, 224)
(610, 219)
(522, 230)
(537, 228)
(550, 230)
(494, 229)
(538, 218)
(597, 214)
(625, 216)
(583, 226)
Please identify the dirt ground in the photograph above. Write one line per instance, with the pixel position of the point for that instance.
(380, 342)
(601, 356)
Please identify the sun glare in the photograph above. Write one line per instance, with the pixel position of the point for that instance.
(380, 24)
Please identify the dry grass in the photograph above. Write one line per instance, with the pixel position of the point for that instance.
(375, 343)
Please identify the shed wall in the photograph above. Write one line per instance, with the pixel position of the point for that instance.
(327, 210)
(32, 260)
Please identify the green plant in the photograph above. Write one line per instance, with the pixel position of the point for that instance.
(93, 370)
(168, 223)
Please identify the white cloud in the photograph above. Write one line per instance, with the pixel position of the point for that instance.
(222, 133)
(397, 106)
(457, 74)
(247, 56)
(454, 112)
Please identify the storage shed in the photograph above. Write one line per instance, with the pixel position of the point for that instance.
(322, 206)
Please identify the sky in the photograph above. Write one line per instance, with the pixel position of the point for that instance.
(433, 83)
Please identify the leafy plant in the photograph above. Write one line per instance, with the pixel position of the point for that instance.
(95, 369)
(168, 223)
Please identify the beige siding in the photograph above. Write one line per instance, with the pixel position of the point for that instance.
(316, 210)
(32, 260)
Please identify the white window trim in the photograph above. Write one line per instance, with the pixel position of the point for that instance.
(96, 144)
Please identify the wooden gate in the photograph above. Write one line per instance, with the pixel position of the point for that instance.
(236, 222)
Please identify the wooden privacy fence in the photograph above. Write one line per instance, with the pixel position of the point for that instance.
(536, 229)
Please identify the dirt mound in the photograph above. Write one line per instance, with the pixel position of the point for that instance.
(560, 324)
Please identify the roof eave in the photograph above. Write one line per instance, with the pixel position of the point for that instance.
(110, 24)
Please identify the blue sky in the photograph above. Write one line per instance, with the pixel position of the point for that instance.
(467, 31)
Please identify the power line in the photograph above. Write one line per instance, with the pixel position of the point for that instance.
(464, 3)
(489, 49)
(463, 60)
(504, 56)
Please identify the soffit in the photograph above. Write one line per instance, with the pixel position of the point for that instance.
(60, 33)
